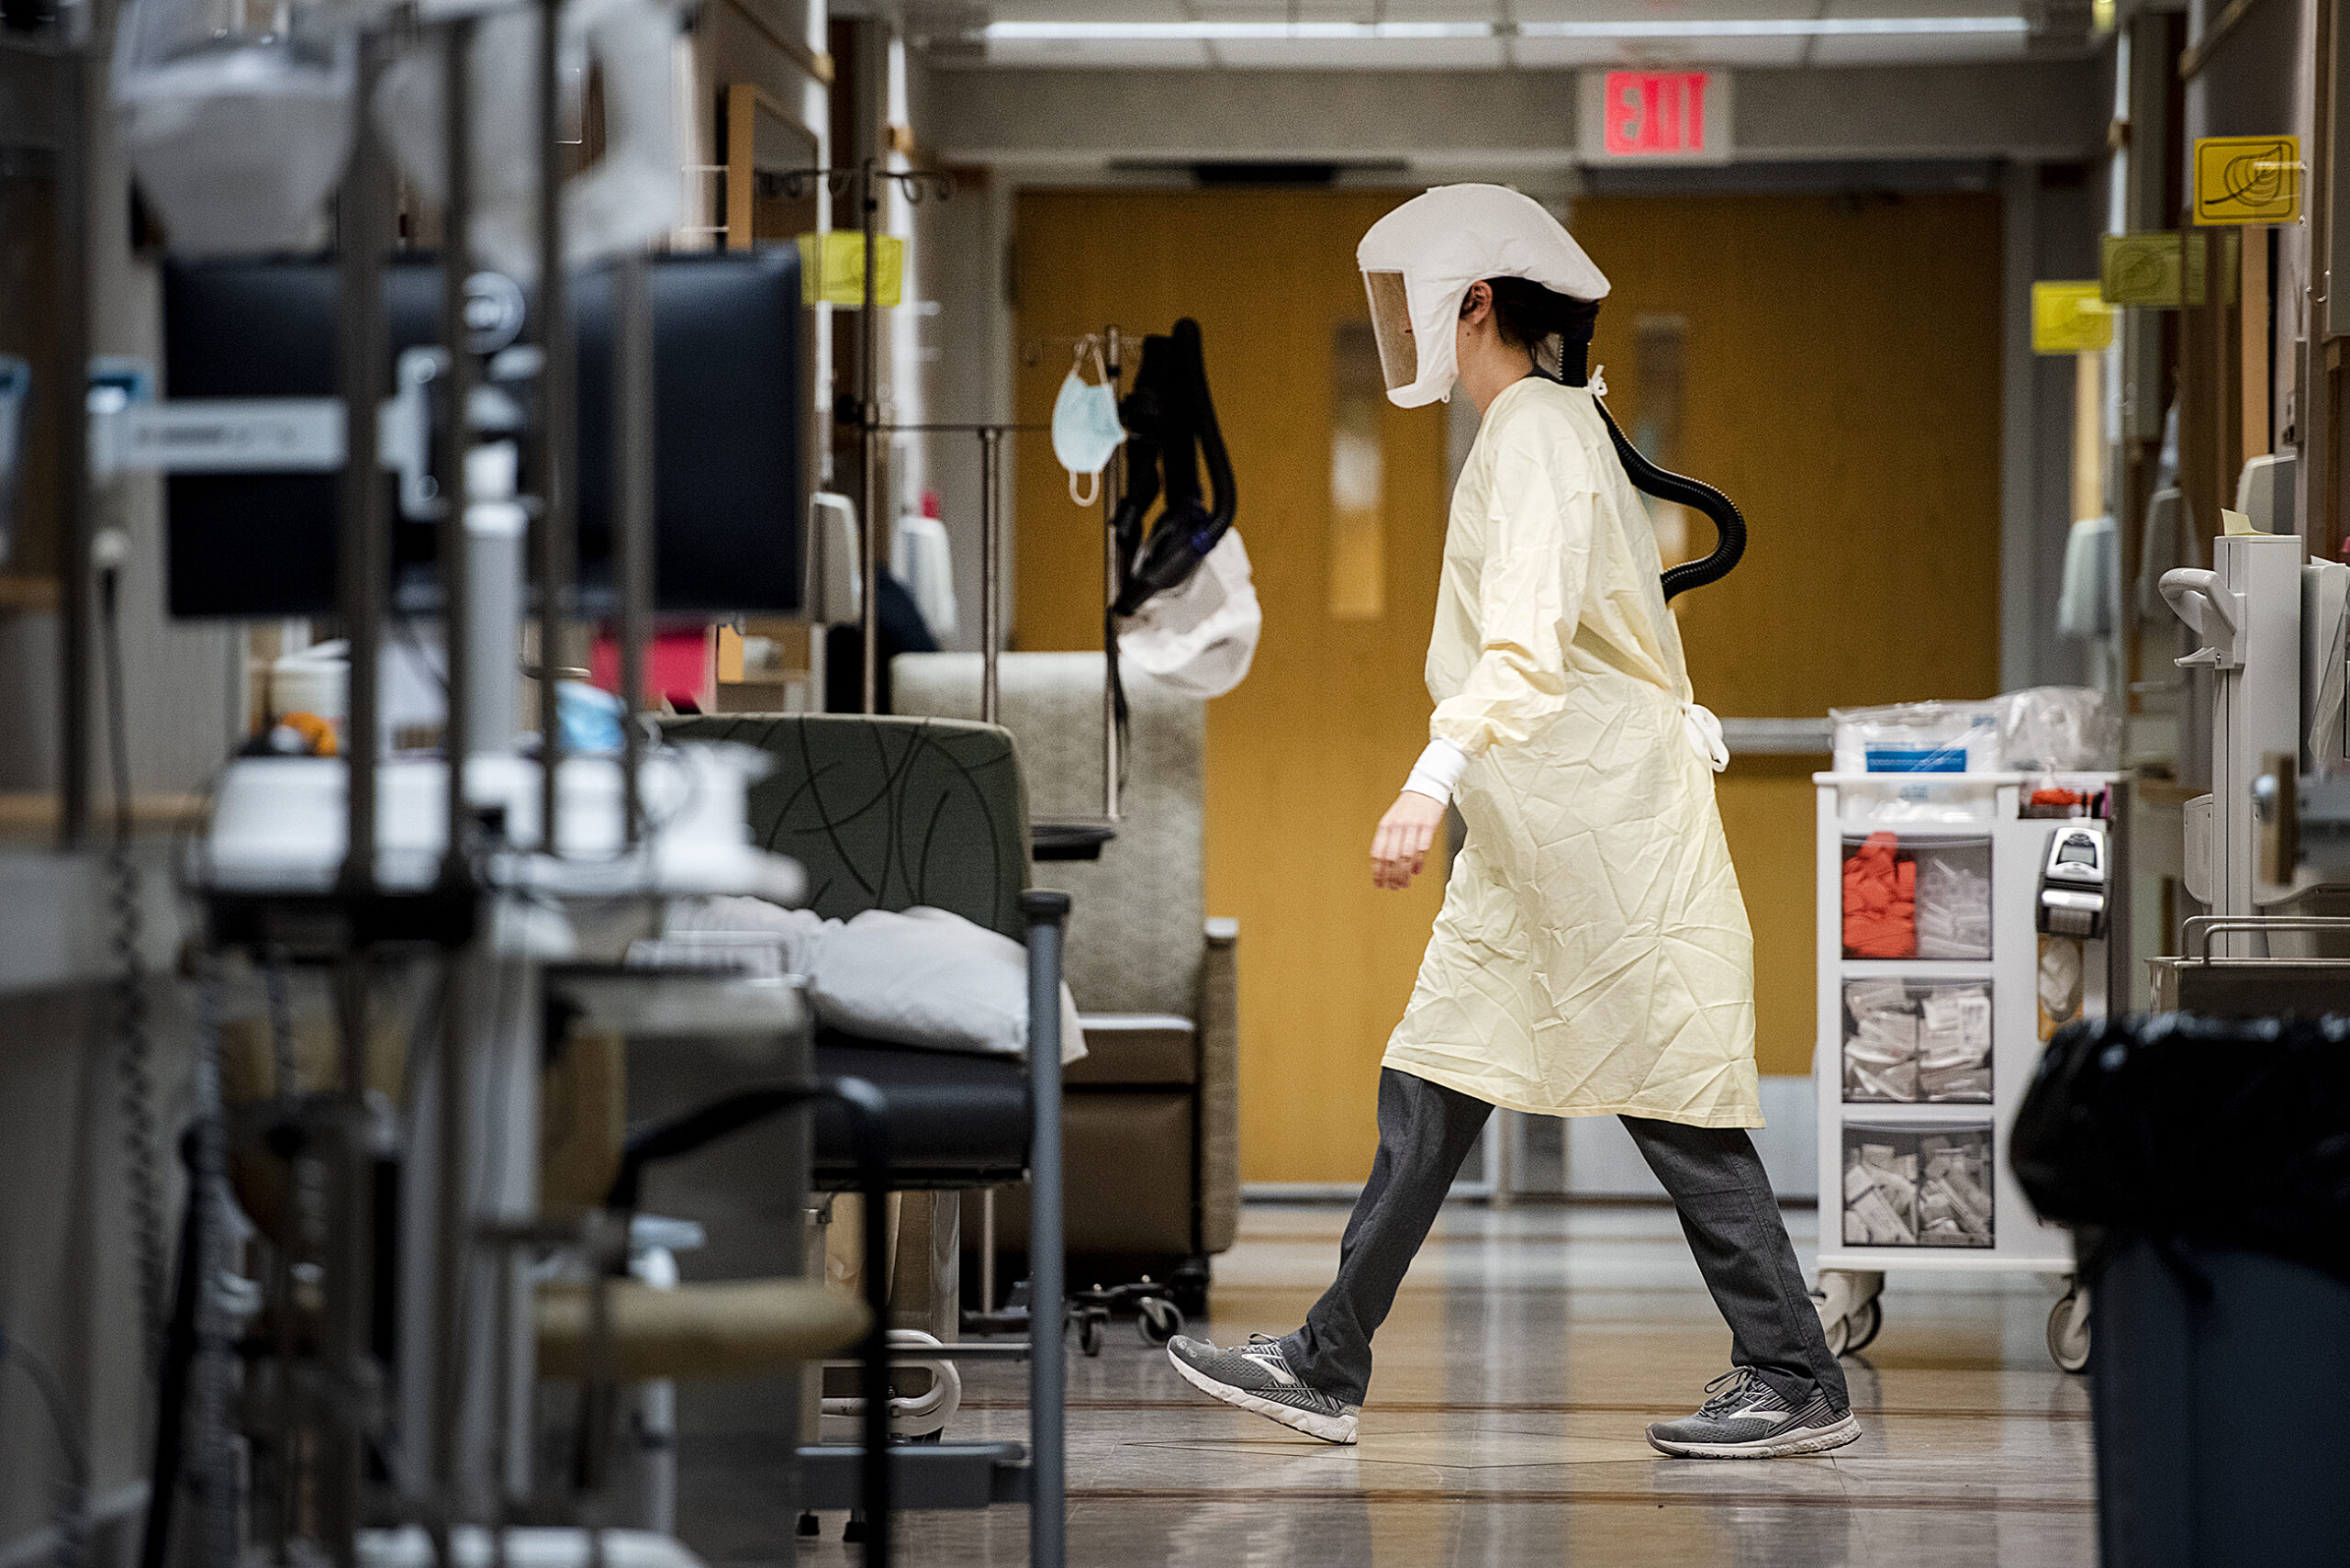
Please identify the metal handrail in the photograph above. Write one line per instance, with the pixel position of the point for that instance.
(2207, 926)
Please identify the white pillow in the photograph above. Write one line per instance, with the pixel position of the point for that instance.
(797, 932)
(929, 977)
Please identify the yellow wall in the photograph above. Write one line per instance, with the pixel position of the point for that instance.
(1841, 383)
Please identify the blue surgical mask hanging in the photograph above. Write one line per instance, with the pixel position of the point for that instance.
(1086, 431)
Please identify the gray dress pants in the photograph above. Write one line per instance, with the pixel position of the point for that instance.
(1716, 1182)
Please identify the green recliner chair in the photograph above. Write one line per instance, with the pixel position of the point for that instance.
(1152, 1113)
(890, 813)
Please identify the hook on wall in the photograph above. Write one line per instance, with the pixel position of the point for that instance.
(917, 184)
(1032, 349)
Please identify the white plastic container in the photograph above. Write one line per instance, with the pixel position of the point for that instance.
(316, 681)
(237, 120)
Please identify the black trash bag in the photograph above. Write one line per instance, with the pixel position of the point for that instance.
(2178, 1129)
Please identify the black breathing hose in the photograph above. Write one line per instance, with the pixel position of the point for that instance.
(1679, 489)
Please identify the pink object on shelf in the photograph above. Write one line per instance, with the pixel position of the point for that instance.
(676, 666)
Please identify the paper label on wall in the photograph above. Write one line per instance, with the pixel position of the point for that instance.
(2070, 318)
(2147, 270)
(2247, 179)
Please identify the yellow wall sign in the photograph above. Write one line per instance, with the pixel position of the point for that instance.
(2146, 270)
(2069, 318)
(2247, 179)
(831, 268)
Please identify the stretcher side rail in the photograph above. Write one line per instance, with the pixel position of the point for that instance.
(2199, 929)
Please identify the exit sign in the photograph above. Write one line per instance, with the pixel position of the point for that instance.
(1656, 116)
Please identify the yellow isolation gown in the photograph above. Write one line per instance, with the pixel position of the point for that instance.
(1592, 957)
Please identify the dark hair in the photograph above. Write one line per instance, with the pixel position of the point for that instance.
(1528, 316)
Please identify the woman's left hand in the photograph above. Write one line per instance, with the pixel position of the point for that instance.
(1399, 848)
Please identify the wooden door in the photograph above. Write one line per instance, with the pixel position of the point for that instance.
(1310, 749)
(1839, 371)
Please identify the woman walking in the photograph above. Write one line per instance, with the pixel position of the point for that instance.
(1592, 956)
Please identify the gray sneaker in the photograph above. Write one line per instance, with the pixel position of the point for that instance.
(1744, 1417)
(1256, 1376)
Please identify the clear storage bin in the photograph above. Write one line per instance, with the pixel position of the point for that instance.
(1917, 1184)
(1911, 1042)
(1917, 897)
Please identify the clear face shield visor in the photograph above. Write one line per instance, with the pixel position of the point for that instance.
(1390, 324)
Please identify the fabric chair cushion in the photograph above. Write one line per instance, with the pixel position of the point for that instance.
(888, 812)
(1134, 929)
(1131, 1050)
(956, 1119)
(1130, 1194)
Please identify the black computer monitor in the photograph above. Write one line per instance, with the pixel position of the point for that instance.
(731, 399)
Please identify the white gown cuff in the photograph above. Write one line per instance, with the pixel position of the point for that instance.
(1439, 769)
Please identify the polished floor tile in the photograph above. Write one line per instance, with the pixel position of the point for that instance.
(1527, 1350)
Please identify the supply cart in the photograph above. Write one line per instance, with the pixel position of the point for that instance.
(1931, 1019)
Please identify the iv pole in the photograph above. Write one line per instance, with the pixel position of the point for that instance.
(866, 179)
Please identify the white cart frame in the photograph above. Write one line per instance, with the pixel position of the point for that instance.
(1851, 1276)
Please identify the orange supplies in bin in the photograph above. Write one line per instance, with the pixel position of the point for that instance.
(1880, 901)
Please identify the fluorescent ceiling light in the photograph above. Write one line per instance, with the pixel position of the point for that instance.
(1130, 32)
(1725, 27)
(1776, 27)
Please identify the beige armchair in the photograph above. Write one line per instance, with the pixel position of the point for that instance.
(1151, 1116)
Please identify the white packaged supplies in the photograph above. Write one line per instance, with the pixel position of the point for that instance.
(2058, 729)
(2047, 729)
(1918, 737)
(1955, 1028)
(1907, 1042)
(1864, 996)
(1880, 1199)
(1917, 1186)
(1953, 910)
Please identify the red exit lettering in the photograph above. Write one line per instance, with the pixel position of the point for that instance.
(1655, 112)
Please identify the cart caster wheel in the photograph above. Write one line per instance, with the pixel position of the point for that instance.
(2068, 1330)
(809, 1525)
(1861, 1328)
(854, 1531)
(1837, 1331)
(1089, 1332)
(1158, 1320)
